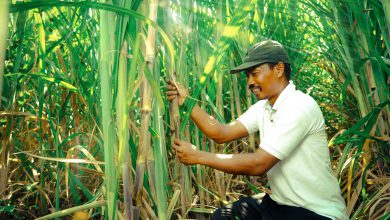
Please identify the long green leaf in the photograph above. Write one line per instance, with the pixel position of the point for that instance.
(229, 32)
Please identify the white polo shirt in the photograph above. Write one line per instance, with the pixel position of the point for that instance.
(293, 130)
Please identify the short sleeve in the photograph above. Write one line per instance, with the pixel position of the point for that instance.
(250, 118)
(290, 128)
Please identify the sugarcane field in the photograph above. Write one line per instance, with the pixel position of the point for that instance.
(201, 109)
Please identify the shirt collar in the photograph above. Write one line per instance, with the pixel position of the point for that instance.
(283, 95)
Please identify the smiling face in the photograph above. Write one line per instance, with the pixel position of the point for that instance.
(266, 82)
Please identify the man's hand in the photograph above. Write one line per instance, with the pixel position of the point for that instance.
(176, 90)
(187, 153)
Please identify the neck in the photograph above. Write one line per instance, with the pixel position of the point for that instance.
(279, 89)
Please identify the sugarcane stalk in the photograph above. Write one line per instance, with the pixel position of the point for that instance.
(3, 42)
(41, 70)
(219, 175)
(110, 145)
(142, 149)
(187, 172)
(175, 126)
(200, 140)
(146, 107)
(4, 154)
(386, 9)
(150, 163)
(346, 54)
(215, 148)
(123, 131)
(161, 167)
(181, 171)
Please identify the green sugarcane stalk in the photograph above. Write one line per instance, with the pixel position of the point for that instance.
(41, 71)
(149, 58)
(123, 131)
(160, 164)
(346, 54)
(107, 117)
(219, 176)
(3, 43)
(3, 46)
(160, 171)
(386, 10)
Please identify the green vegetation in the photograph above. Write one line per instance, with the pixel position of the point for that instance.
(85, 125)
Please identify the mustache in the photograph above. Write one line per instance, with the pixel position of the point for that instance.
(251, 87)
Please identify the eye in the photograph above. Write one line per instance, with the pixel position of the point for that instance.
(253, 74)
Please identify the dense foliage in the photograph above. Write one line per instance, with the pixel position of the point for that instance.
(85, 126)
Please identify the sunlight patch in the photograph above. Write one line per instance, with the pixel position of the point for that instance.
(230, 31)
(209, 66)
(224, 156)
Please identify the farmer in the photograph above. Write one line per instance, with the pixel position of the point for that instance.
(293, 144)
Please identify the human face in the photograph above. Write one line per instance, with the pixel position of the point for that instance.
(264, 82)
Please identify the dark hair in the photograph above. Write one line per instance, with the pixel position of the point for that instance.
(287, 69)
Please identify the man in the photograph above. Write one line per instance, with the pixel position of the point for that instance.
(293, 145)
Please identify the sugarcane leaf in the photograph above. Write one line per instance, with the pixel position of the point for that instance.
(367, 121)
(243, 8)
(25, 6)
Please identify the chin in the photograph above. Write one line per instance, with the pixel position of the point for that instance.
(260, 98)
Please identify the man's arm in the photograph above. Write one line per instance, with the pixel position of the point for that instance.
(253, 164)
(220, 133)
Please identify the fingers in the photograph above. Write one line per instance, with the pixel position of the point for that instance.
(172, 92)
(171, 85)
(185, 151)
(177, 144)
(170, 82)
(176, 147)
(171, 88)
(179, 150)
(178, 141)
(175, 90)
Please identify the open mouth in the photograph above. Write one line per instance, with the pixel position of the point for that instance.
(256, 89)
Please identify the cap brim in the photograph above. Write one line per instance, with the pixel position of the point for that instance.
(244, 66)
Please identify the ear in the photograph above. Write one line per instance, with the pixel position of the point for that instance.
(279, 69)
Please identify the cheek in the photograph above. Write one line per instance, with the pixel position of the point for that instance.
(259, 78)
(266, 82)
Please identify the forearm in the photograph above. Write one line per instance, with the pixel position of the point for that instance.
(207, 124)
(243, 164)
